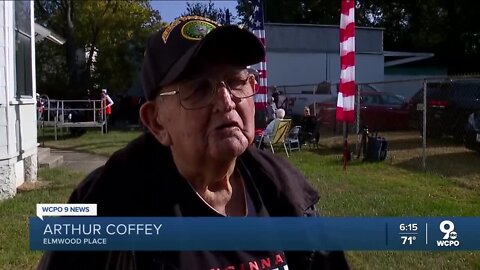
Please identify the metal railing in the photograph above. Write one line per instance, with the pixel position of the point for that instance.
(61, 114)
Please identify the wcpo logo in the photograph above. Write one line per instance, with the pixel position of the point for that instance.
(450, 236)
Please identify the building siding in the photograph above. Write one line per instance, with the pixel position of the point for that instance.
(320, 38)
(310, 54)
(28, 126)
(18, 127)
(3, 88)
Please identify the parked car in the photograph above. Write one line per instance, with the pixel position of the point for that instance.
(472, 132)
(380, 111)
(297, 102)
(448, 106)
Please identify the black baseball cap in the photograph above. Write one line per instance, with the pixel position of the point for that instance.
(192, 39)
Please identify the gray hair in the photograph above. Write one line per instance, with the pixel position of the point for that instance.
(280, 113)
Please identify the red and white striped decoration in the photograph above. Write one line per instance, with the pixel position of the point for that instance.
(258, 29)
(346, 92)
(261, 97)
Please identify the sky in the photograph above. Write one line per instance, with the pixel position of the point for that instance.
(170, 9)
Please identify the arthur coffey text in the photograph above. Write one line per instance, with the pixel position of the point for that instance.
(59, 234)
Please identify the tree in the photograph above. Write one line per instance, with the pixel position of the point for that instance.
(443, 27)
(58, 15)
(207, 10)
(294, 11)
(446, 28)
(114, 32)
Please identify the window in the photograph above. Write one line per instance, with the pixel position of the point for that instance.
(366, 87)
(392, 100)
(467, 90)
(23, 49)
(370, 100)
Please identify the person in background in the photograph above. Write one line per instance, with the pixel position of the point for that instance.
(279, 115)
(107, 103)
(308, 124)
(282, 100)
(40, 107)
(270, 129)
(196, 160)
(290, 105)
(275, 96)
(271, 108)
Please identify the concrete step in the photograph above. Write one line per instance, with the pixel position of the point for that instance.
(51, 162)
(42, 153)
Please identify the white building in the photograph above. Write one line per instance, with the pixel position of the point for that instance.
(300, 54)
(18, 127)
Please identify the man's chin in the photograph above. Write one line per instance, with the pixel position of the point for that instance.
(229, 147)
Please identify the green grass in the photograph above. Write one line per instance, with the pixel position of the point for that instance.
(381, 189)
(93, 141)
(14, 241)
(397, 187)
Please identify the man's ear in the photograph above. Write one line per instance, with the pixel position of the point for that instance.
(153, 121)
(253, 82)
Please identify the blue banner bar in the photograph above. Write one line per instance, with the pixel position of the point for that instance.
(166, 233)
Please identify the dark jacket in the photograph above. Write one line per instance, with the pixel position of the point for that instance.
(142, 180)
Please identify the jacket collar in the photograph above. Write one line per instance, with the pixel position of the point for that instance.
(283, 189)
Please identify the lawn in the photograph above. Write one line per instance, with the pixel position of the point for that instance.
(93, 141)
(14, 245)
(382, 189)
(396, 187)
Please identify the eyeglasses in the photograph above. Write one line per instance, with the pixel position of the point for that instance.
(198, 93)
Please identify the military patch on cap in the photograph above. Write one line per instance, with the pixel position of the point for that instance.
(196, 29)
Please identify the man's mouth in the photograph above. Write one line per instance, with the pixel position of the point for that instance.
(228, 125)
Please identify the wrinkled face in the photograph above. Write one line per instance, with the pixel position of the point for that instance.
(221, 128)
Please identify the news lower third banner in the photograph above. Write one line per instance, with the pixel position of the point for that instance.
(232, 233)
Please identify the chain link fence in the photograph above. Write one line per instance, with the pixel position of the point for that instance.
(395, 110)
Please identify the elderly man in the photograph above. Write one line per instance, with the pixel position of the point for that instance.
(195, 159)
(279, 115)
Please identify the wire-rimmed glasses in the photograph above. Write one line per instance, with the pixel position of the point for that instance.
(199, 92)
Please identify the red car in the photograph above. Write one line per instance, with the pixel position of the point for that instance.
(380, 111)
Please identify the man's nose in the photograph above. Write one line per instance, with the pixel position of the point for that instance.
(224, 99)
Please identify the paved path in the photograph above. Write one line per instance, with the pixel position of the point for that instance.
(78, 161)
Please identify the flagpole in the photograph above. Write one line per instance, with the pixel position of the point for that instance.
(256, 26)
(345, 145)
(346, 95)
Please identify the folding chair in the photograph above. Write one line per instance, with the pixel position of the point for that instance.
(279, 135)
(293, 142)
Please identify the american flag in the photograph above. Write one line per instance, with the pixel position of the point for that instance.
(346, 93)
(256, 26)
